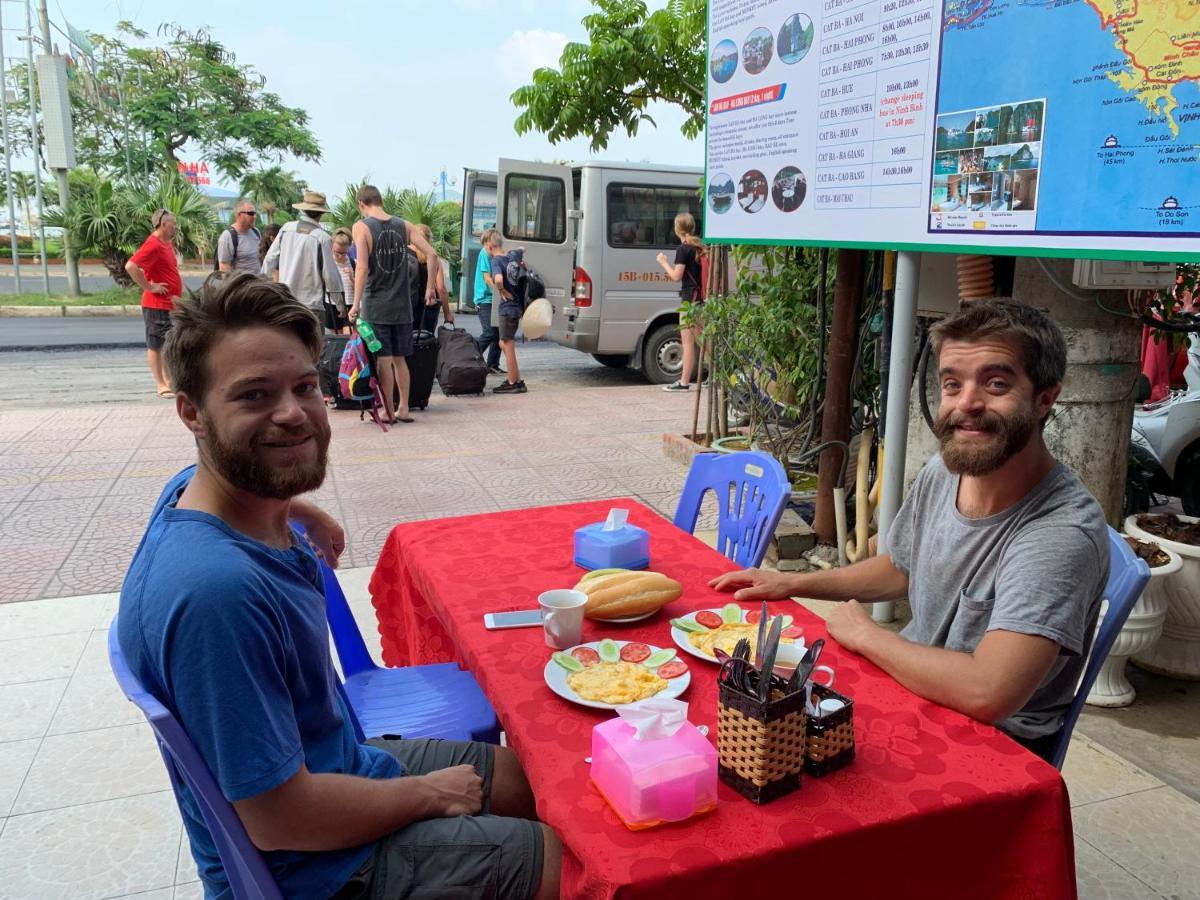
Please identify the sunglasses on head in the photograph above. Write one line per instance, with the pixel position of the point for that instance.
(157, 219)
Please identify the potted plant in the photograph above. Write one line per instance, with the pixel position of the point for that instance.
(1141, 630)
(1177, 652)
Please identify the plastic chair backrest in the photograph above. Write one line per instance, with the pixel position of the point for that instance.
(249, 877)
(1127, 578)
(752, 492)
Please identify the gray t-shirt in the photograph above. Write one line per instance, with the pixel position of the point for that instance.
(247, 251)
(1039, 567)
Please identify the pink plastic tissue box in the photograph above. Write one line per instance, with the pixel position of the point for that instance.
(652, 782)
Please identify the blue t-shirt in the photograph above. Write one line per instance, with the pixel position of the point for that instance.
(231, 636)
(483, 293)
(502, 272)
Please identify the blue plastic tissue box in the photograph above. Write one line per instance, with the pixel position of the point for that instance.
(625, 546)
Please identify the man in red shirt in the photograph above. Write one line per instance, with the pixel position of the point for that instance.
(155, 270)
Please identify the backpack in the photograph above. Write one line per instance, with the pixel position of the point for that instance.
(700, 291)
(356, 380)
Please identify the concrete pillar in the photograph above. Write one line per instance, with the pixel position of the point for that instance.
(1090, 425)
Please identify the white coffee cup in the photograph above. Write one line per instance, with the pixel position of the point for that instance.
(826, 669)
(562, 617)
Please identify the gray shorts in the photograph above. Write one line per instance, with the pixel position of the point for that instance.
(158, 323)
(468, 856)
(508, 327)
(394, 340)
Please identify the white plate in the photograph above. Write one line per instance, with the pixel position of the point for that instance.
(626, 619)
(556, 679)
(679, 636)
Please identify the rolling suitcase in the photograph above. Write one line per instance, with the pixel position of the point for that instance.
(460, 366)
(329, 363)
(422, 367)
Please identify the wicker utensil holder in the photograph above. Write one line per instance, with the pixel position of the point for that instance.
(830, 742)
(760, 746)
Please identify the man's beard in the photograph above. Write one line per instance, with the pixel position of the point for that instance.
(1008, 437)
(240, 467)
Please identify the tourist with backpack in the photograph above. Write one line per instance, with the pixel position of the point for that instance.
(237, 248)
(507, 279)
(688, 269)
(381, 291)
(302, 258)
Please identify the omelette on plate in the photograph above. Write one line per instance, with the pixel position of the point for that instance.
(616, 682)
(726, 637)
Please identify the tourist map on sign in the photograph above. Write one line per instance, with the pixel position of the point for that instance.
(1019, 125)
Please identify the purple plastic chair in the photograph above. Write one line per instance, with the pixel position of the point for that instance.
(249, 877)
(1127, 578)
(752, 492)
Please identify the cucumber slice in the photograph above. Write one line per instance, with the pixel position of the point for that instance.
(787, 621)
(688, 625)
(609, 651)
(568, 662)
(596, 573)
(731, 614)
(661, 657)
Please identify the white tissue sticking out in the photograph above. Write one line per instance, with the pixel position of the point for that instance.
(616, 519)
(654, 718)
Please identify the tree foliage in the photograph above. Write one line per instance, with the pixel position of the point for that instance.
(417, 207)
(633, 58)
(273, 190)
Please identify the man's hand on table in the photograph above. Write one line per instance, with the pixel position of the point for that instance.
(851, 625)
(459, 790)
(759, 584)
(324, 532)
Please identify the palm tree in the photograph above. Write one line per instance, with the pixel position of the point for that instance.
(25, 189)
(271, 189)
(443, 219)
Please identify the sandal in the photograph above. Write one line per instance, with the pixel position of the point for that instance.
(166, 395)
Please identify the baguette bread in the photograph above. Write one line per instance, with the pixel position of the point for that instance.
(622, 594)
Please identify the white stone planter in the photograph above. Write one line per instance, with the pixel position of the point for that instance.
(1177, 652)
(1139, 634)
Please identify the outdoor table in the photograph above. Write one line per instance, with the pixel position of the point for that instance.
(934, 805)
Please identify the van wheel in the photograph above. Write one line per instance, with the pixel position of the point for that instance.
(612, 360)
(662, 355)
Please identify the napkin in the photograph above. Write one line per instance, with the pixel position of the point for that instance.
(616, 520)
(655, 718)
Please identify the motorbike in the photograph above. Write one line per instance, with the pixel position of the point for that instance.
(1165, 445)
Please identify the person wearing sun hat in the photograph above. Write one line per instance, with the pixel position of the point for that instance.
(302, 255)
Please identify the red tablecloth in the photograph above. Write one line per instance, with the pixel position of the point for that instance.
(935, 805)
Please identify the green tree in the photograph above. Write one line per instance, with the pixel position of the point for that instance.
(420, 208)
(272, 190)
(633, 57)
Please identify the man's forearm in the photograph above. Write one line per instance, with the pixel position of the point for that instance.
(871, 581)
(360, 283)
(948, 677)
(139, 277)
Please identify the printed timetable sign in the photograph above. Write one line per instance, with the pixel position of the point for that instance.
(1064, 128)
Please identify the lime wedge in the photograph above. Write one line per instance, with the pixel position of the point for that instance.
(654, 660)
(568, 662)
(609, 651)
(731, 614)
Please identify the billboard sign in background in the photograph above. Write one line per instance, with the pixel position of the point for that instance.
(1012, 127)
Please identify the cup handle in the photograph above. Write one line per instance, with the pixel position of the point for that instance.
(828, 683)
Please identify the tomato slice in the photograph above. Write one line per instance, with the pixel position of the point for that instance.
(709, 619)
(586, 655)
(794, 632)
(634, 652)
(673, 669)
(753, 616)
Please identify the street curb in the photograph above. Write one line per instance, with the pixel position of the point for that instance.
(54, 348)
(49, 312)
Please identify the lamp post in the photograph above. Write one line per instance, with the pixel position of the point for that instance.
(442, 180)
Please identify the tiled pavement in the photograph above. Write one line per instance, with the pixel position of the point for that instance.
(85, 810)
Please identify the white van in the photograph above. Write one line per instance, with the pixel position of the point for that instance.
(593, 230)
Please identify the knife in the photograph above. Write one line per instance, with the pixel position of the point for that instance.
(762, 630)
(807, 664)
(769, 653)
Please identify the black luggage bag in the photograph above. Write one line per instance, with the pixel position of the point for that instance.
(329, 364)
(422, 367)
(460, 366)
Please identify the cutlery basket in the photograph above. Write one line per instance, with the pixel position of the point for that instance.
(830, 738)
(760, 746)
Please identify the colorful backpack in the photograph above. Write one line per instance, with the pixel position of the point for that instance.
(356, 379)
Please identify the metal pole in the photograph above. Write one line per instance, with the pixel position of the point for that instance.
(12, 212)
(125, 119)
(60, 175)
(904, 324)
(37, 171)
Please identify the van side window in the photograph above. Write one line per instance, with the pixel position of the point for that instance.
(643, 215)
(535, 209)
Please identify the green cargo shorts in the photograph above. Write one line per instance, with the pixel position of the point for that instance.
(469, 856)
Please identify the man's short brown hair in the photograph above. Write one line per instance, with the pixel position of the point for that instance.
(223, 306)
(1042, 347)
(369, 195)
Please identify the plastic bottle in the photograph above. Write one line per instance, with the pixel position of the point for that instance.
(367, 333)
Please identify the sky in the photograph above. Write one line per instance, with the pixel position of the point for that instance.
(400, 90)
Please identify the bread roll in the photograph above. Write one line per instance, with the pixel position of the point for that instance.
(624, 594)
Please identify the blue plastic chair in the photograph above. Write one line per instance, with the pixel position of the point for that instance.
(248, 875)
(438, 700)
(1127, 579)
(752, 492)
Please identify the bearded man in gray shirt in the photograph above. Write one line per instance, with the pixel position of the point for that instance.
(1000, 549)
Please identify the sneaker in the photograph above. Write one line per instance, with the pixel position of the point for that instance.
(495, 370)
(677, 386)
(510, 387)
